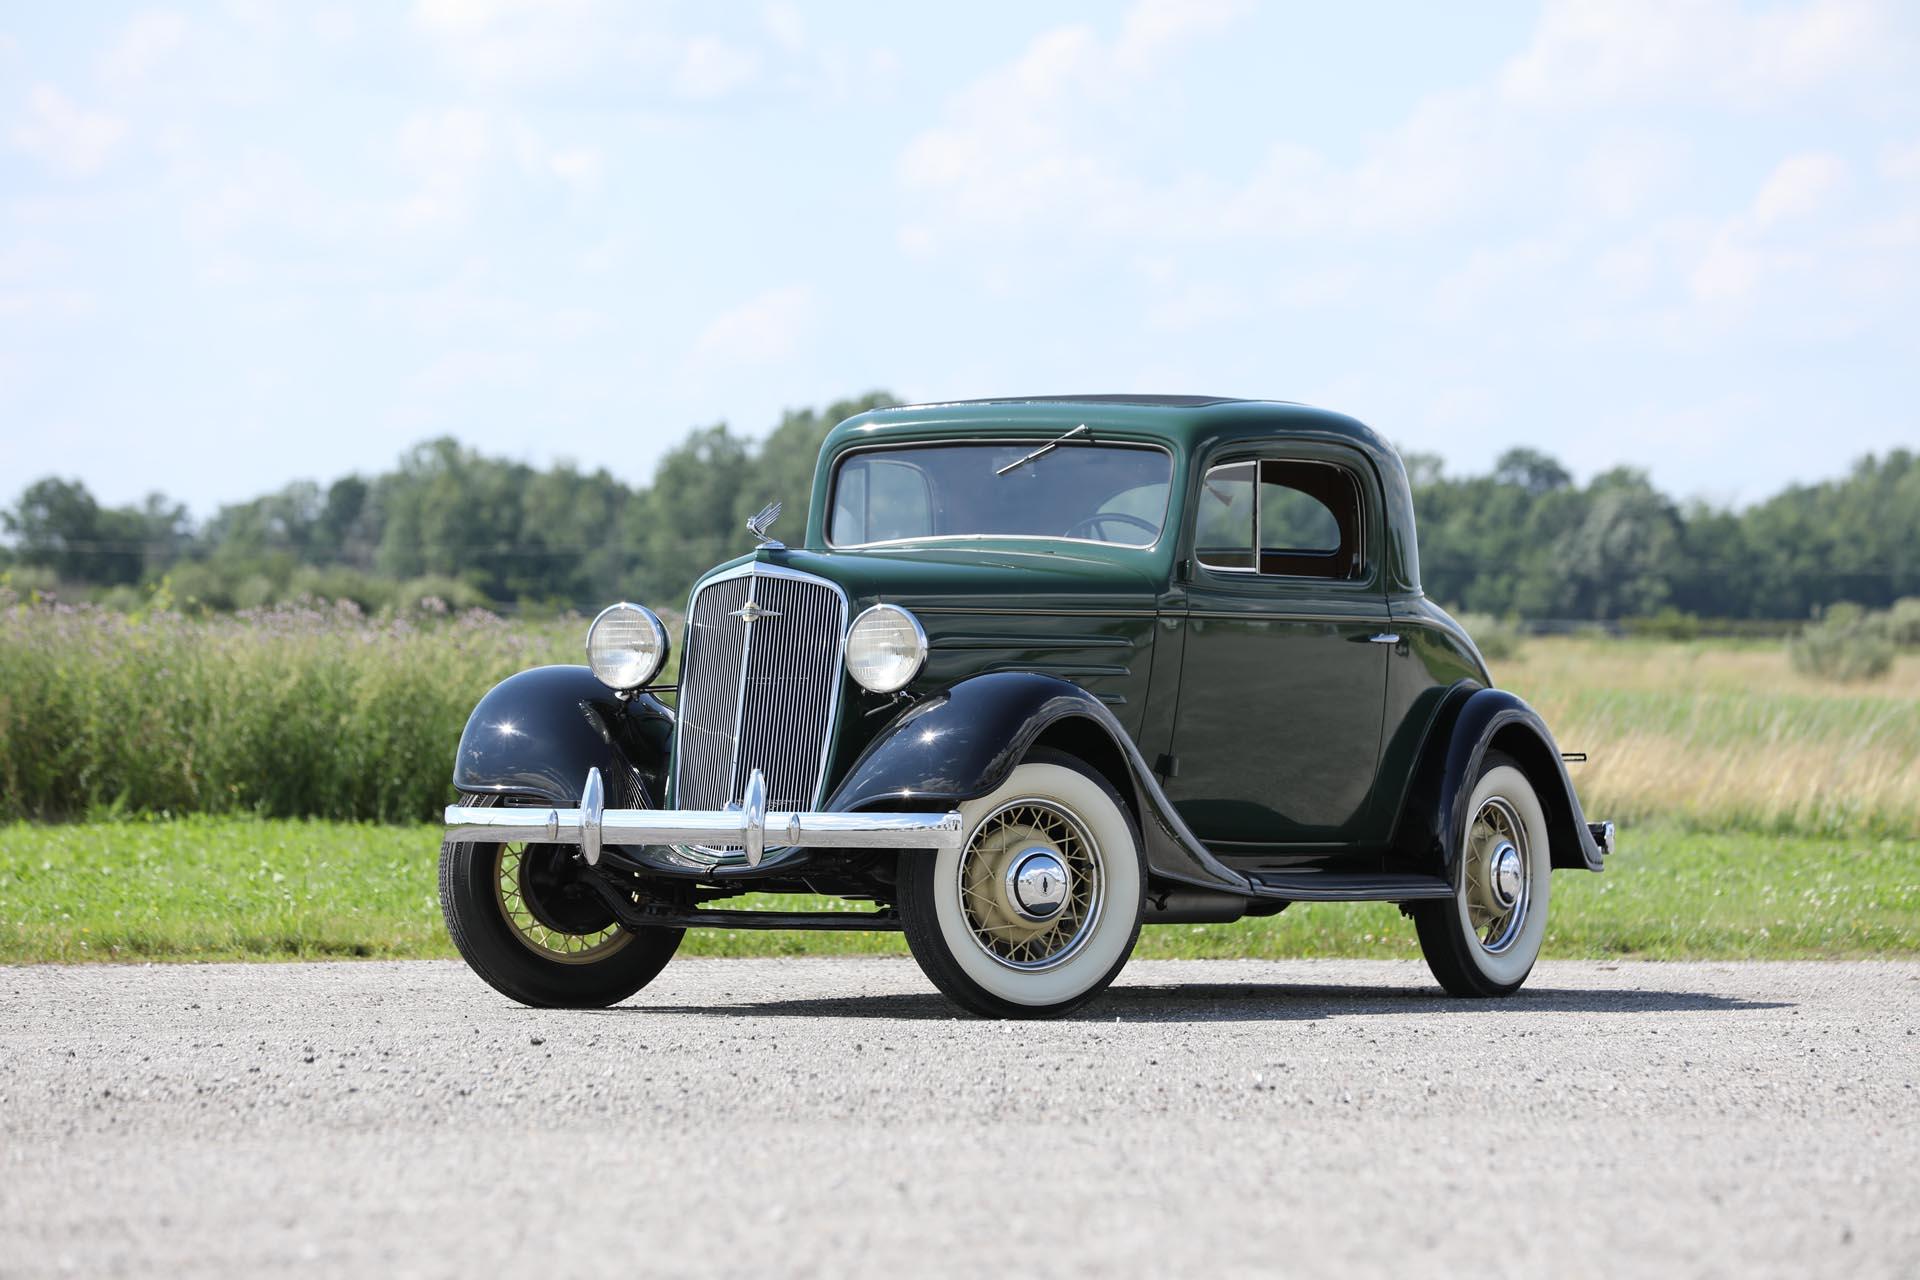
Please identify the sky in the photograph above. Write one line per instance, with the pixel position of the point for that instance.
(245, 243)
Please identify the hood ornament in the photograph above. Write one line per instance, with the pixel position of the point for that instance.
(752, 611)
(763, 521)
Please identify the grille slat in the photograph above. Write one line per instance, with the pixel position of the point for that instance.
(759, 695)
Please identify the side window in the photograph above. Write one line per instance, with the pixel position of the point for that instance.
(879, 500)
(1223, 533)
(1309, 520)
(1281, 517)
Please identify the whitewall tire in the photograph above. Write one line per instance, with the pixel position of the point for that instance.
(1038, 910)
(1484, 940)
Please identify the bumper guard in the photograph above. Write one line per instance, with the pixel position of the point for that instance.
(593, 825)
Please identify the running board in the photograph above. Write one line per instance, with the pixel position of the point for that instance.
(1347, 886)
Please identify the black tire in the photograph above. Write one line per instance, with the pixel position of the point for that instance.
(513, 964)
(1458, 953)
(966, 971)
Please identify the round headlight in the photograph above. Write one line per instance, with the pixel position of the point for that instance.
(626, 646)
(885, 648)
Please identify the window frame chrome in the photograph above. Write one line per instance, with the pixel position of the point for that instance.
(1364, 514)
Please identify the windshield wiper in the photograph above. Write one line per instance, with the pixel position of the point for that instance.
(1043, 450)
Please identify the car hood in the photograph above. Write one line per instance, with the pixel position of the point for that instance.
(998, 575)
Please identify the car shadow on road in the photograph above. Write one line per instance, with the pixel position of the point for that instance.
(1248, 1002)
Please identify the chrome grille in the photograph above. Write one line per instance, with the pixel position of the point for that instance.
(710, 695)
(759, 695)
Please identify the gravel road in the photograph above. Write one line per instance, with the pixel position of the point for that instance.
(831, 1116)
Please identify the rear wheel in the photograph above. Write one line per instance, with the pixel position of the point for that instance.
(1483, 941)
(524, 919)
(1038, 910)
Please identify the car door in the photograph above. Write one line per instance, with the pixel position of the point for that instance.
(1276, 738)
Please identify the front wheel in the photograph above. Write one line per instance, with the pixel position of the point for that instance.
(1039, 908)
(1483, 941)
(524, 920)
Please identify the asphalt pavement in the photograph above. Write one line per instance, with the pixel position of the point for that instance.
(833, 1117)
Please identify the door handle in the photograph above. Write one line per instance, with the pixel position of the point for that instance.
(1385, 637)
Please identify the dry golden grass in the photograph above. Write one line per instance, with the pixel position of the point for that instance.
(1722, 735)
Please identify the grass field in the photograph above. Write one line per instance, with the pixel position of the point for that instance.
(1763, 813)
(235, 888)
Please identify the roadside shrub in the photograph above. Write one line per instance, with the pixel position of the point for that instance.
(320, 712)
(1847, 643)
(1903, 622)
(1497, 638)
(26, 581)
(1668, 624)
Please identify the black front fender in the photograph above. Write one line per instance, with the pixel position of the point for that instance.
(1471, 722)
(960, 745)
(537, 733)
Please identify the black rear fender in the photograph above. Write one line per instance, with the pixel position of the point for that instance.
(1472, 722)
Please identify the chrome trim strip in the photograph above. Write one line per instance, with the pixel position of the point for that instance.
(1252, 615)
(696, 827)
(955, 610)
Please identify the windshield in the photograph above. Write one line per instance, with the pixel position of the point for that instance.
(1110, 493)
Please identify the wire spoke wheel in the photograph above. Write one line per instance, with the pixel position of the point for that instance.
(552, 915)
(1031, 884)
(1499, 875)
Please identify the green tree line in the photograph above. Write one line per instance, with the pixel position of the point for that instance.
(1522, 540)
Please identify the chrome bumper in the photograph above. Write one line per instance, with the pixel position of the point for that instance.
(1602, 833)
(593, 825)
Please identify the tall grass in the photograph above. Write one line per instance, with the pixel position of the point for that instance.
(1720, 735)
(282, 712)
(330, 713)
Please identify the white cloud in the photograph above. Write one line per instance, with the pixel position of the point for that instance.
(766, 328)
(786, 25)
(1022, 142)
(1769, 242)
(1622, 173)
(1154, 29)
(450, 155)
(64, 135)
(1901, 161)
(147, 41)
(713, 68)
(514, 41)
(580, 167)
(1799, 186)
(333, 26)
(444, 153)
(1654, 50)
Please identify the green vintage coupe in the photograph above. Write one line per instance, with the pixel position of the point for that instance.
(1044, 670)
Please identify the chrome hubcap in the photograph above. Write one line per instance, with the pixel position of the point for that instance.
(1031, 884)
(1506, 875)
(1498, 875)
(1037, 883)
